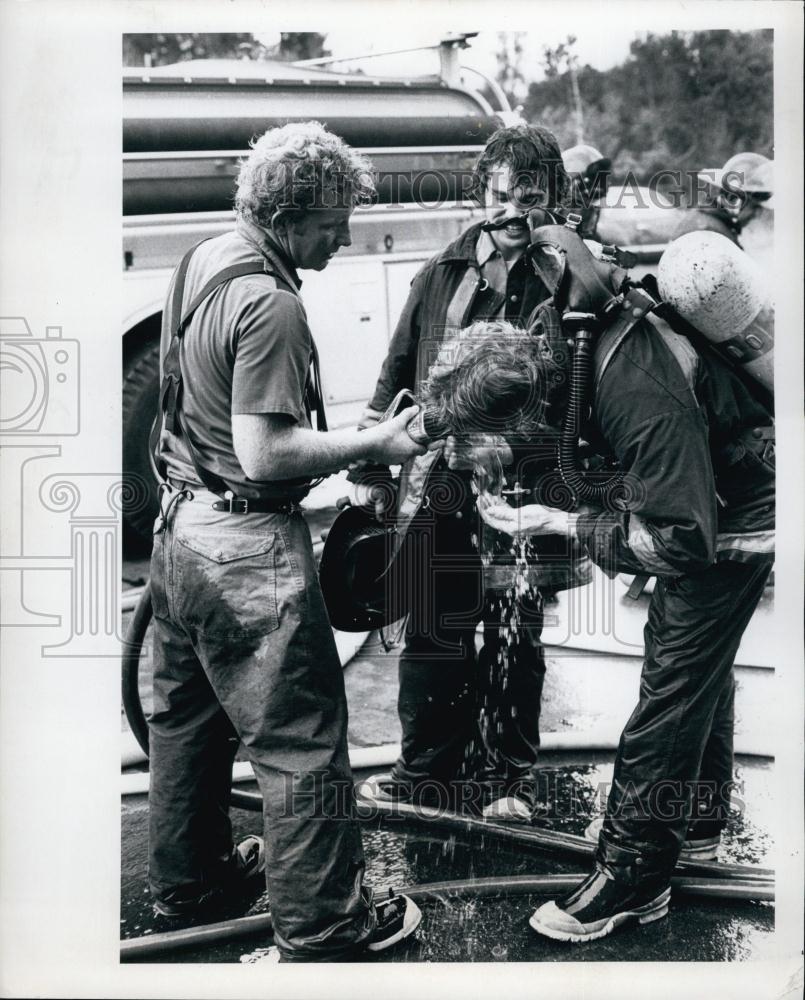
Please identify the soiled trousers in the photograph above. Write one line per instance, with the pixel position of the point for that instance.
(244, 652)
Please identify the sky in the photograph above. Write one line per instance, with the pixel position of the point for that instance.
(601, 46)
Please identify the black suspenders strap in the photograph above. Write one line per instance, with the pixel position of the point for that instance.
(170, 393)
(318, 391)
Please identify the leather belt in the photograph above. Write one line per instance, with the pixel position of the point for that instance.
(231, 504)
(243, 505)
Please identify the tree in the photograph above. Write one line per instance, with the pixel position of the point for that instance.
(685, 101)
(164, 49)
(297, 45)
(509, 58)
(563, 57)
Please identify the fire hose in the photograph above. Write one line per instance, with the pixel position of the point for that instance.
(527, 836)
(734, 882)
(143, 948)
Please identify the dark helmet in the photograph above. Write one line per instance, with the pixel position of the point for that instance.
(354, 572)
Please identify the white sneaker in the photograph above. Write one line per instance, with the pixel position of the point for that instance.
(508, 808)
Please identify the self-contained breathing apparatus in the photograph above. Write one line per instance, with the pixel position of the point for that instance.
(593, 306)
(709, 293)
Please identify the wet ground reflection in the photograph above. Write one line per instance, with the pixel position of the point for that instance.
(476, 928)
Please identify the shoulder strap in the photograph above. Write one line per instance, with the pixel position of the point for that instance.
(636, 305)
(639, 305)
(227, 274)
(171, 389)
(683, 351)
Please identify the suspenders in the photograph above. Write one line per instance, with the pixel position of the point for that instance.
(170, 394)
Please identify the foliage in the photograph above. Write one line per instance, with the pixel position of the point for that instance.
(509, 58)
(164, 49)
(683, 101)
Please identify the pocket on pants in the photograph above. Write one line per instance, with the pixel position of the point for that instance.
(226, 582)
(159, 604)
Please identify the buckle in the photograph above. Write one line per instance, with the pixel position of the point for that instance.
(242, 504)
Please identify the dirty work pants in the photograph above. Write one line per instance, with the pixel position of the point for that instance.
(465, 717)
(674, 760)
(243, 649)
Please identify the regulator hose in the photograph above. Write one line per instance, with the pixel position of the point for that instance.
(143, 948)
(605, 493)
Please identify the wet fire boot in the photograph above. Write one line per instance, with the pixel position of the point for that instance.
(397, 918)
(237, 874)
(513, 801)
(693, 849)
(599, 905)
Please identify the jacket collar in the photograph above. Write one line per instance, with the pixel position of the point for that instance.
(262, 240)
(485, 248)
(463, 249)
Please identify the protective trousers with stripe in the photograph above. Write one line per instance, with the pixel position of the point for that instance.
(674, 765)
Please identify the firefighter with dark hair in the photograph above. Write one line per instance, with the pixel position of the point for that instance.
(470, 726)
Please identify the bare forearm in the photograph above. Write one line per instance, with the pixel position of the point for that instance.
(270, 448)
(304, 452)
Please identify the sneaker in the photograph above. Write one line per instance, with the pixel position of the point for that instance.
(247, 861)
(705, 849)
(397, 918)
(384, 788)
(509, 808)
(598, 906)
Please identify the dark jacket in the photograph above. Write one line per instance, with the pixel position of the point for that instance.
(422, 323)
(698, 451)
(713, 220)
(450, 285)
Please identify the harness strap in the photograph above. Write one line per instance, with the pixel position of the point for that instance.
(171, 389)
(636, 305)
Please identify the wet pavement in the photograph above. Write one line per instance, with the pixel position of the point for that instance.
(482, 928)
(475, 927)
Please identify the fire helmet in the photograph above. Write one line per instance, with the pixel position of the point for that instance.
(744, 173)
(353, 572)
(580, 159)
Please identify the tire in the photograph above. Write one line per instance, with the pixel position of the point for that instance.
(140, 401)
(132, 702)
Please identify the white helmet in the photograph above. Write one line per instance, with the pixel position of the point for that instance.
(750, 173)
(578, 158)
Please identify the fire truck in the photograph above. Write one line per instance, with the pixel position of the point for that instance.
(185, 129)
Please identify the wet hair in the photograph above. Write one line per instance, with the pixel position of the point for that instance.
(298, 167)
(525, 149)
(491, 377)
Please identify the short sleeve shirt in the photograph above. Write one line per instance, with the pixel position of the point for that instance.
(247, 349)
